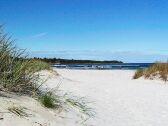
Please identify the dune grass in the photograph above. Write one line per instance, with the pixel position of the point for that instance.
(82, 104)
(19, 74)
(138, 74)
(58, 100)
(48, 100)
(16, 70)
(18, 110)
(67, 101)
(38, 65)
(15, 74)
(159, 70)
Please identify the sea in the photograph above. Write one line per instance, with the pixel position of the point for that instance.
(114, 66)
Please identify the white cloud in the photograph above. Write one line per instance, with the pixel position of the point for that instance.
(39, 35)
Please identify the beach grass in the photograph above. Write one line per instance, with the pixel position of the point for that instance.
(66, 101)
(38, 65)
(19, 74)
(17, 110)
(48, 100)
(138, 74)
(16, 70)
(82, 104)
(159, 70)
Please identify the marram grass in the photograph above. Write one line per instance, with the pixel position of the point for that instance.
(19, 74)
(16, 71)
(159, 70)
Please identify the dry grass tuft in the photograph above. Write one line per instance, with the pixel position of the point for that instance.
(138, 74)
(159, 70)
(17, 110)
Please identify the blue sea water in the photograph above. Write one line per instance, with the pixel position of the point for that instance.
(116, 66)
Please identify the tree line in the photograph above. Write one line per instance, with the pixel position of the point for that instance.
(74, 61)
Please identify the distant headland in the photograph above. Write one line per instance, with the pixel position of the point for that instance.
(75, 61)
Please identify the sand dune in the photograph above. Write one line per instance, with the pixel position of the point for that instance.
(118, 100)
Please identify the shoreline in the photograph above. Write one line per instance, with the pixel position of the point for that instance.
(108, 66)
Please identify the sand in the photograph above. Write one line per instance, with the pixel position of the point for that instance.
(117, 99)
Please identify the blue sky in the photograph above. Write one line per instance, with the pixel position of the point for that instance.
(127, 30)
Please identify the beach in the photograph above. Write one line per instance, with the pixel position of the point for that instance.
(119, 100)
(116, 98)
(83, 63)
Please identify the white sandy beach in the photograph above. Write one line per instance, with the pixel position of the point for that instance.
(117, 98)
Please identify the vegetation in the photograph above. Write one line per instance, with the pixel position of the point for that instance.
(38, 65)
(82, 104)
(19, 111)
(72, 61)
(16, 72)
(157, 70)
(138, 74)
(19, 74)
(60, 100)
(48, 100)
